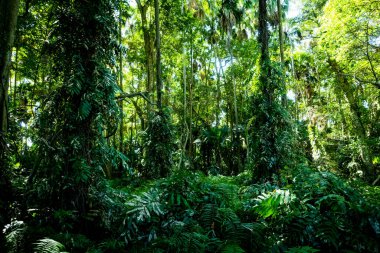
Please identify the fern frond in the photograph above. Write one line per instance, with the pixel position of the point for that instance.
(232, 248)
(208, 214)
(48, 245)
(304, 249)
(327, 232)
(14, 236)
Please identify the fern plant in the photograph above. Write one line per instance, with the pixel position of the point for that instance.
(319, 210)
(14, 235)
(48, 245)
(304, 249)
(232, 248)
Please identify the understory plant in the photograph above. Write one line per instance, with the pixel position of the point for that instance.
(190, 212)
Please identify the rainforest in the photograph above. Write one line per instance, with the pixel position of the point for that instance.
(224, 126)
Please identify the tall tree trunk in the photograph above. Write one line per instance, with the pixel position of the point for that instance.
(69, 184)
(264, 58)
(121, 130)
(233, 79)
(341, 112)
(218, 91)
(185, 132)
(282, 58)
(8, 21)
(265, 130)
(15, 80)
(280, 31)
(191, 85)
(148, 46)
(158, 54)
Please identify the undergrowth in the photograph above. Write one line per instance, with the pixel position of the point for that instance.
(305, 211)
(315, 211)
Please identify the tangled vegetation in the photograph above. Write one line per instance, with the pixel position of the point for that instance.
(189, 126)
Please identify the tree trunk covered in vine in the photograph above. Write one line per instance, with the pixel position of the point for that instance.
(72, 149)
(359, 127)
(266, 157)
(263, 38)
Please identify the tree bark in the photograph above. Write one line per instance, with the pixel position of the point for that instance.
(15, 80)
(121, 130)
(218, 91)
(191, 85)
(282, 58)
(185, 132)
(280, 31)
(148, 46)
(158, 54)
(8, 21)
(264, 44)
(233, 81)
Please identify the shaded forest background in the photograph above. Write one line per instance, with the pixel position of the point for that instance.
(189, 126)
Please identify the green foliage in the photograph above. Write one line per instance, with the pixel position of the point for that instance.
(230, 248)
(112, 245)
(304, 249)
(185, 240)
(74, 242)
(159, 145)
(219, 152)
(71, 146)
(271, 203)
(143, 206)
(187, 213)
(323, 211)
(317, 211)
(14, 236)
(47, 245)
(64, 111)
(270, 130)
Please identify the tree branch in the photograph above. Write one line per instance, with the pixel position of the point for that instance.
(369, 57)
(142, 94)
